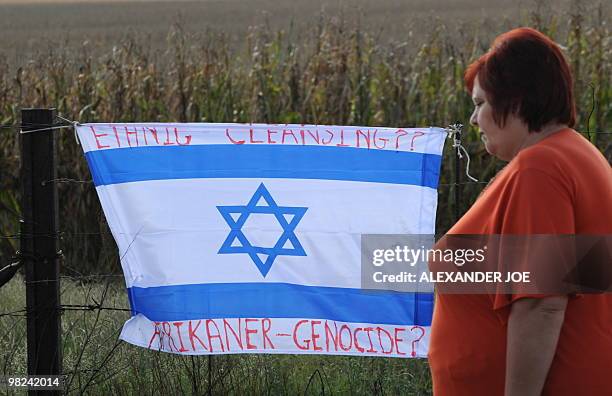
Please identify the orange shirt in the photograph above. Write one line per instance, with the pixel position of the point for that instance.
(561, 185)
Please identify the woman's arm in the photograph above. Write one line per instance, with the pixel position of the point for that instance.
(533, 331)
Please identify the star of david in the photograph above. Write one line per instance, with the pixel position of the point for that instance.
(288, 217)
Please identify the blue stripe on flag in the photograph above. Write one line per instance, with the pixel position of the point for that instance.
(280, 300)
(265, 161)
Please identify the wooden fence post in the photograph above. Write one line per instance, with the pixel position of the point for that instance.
(39, 242)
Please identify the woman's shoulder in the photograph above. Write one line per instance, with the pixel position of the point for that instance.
(565, 152)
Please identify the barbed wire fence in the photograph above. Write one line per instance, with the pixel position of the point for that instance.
(226, 377)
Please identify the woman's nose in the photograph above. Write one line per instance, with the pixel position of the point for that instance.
(474, 118)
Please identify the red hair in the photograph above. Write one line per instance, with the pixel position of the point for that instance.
(525, 73)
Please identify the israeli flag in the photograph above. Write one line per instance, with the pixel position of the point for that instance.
(245, 238)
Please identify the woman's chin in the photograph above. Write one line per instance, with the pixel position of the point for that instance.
(487, 144)
(490, 148)
(494, 151)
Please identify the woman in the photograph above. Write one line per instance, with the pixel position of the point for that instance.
(556, 182)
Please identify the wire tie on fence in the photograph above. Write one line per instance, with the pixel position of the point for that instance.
(454, 132)
(74, 124)
(96, 306)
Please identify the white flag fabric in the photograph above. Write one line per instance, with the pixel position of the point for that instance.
(245, 238)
